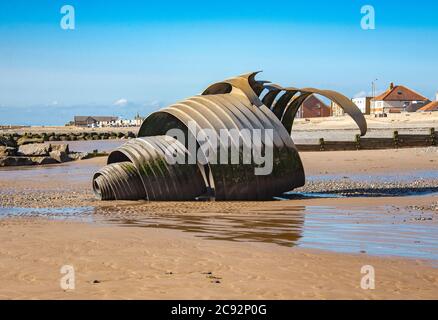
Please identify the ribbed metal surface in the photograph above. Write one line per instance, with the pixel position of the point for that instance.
(118, 181)
(290, 100)
(139, 170)
(233, 111)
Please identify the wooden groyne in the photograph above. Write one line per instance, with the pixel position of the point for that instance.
(360, 143)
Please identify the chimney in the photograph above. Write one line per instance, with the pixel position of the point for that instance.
(436, 97)
(391, 86)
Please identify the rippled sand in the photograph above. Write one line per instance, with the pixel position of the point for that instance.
(144, 263)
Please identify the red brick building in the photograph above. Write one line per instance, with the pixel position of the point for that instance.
(314, 108)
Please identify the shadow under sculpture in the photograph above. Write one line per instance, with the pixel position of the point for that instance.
(248, 117)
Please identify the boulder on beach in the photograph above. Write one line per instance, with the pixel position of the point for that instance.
(79, 155)
(7, 141)
(25, 141)
(7, 151)
(35, 149)
(59, 156)
(60, 147)
(15, 161)
(64, 138)
(38, 154)
(43, 160)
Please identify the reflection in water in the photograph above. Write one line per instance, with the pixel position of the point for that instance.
(91, 145)
(283, 228)
(375, 230)
(74, 168)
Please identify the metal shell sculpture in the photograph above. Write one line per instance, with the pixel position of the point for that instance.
(140, 169)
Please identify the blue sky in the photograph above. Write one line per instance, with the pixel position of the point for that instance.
(129, 56)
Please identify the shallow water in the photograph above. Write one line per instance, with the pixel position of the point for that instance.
(75, 171)
(67, 213)
(91, 145)
(382, 230)
(408, 176)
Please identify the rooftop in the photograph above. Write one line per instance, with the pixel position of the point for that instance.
(400, 93)
(433, 106)
(96, 118)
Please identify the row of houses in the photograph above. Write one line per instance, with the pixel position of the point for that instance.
(396, 99)
(105, 121)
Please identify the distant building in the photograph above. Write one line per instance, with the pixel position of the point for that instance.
(364, 105)
(433, 106)
(313, 107)
(89, 121)
(139, 119)
(337, 111)
(398, 99)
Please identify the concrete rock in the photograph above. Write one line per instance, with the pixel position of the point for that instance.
(59, 156)
(25, 141)
(79, 155)
(64, 138)
(15, 161)
(60, 147)
(7, 151)
(7, 141)
(35, 149)
(43, 160)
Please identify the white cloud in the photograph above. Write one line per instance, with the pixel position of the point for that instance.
(363, 94)
(121, 102)
(153, 104)
(360, 94)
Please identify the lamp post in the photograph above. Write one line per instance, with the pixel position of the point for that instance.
(373, 87)
(373, 92)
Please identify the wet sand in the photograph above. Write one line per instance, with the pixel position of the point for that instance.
(148, 258)
(138, 263)
(69, 184)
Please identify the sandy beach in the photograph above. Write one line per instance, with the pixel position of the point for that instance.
(288, 249)
(140, 263)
